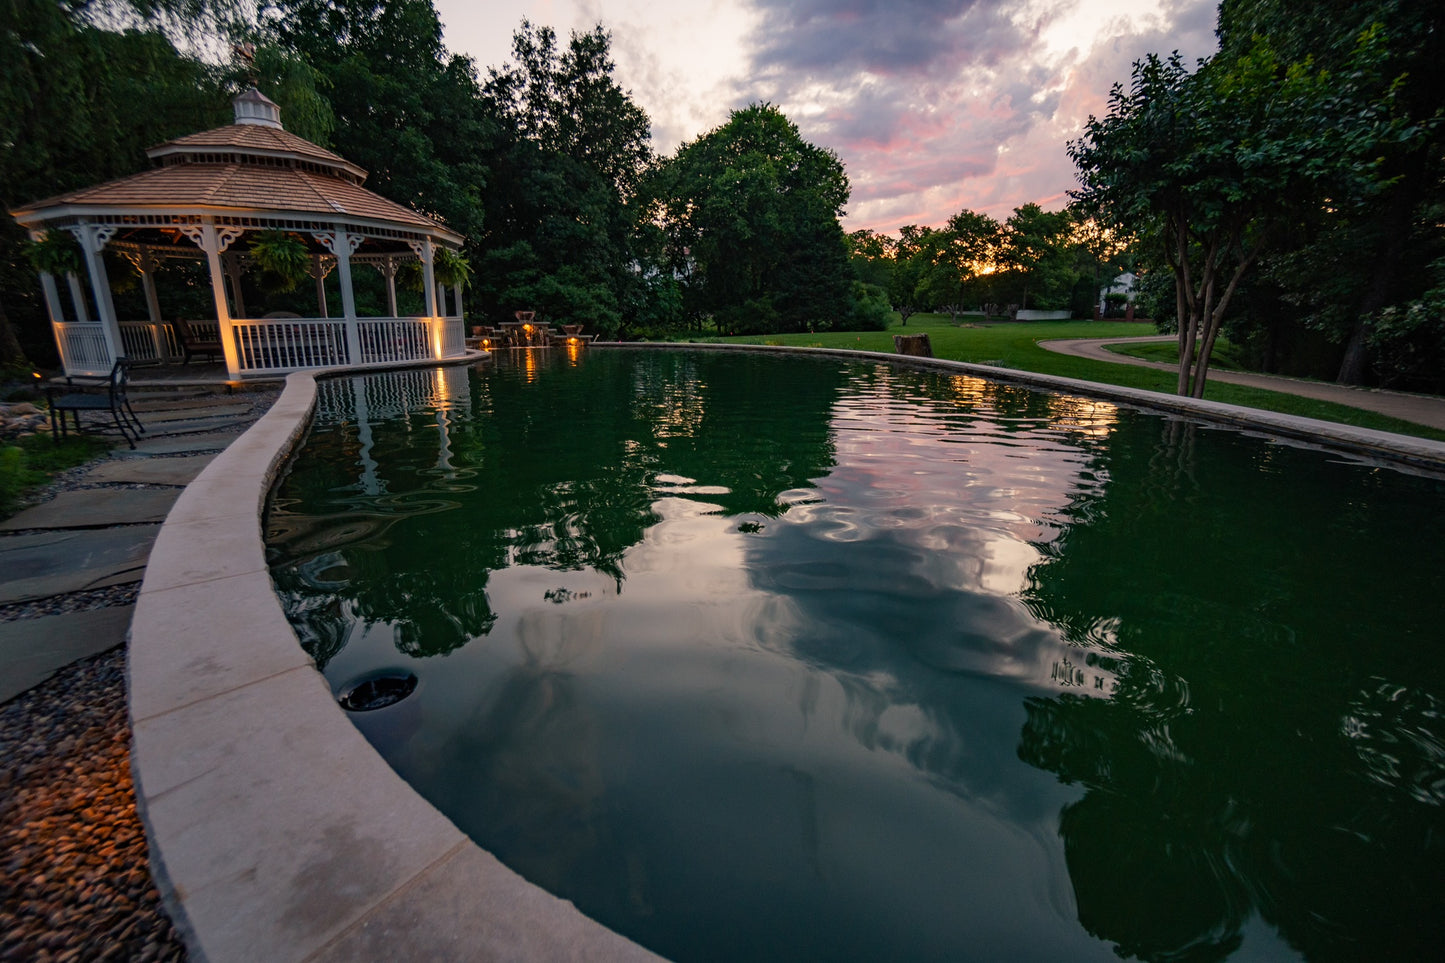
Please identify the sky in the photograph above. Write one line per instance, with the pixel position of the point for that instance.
(932, 105)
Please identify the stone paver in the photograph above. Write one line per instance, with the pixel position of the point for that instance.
(95, 508)
(32, 650)
(72, 561)
(210, 441)
(198, 425)
(150, 471)
(161, 418)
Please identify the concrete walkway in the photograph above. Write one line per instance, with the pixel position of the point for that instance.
(1427, 410)
(96, 537)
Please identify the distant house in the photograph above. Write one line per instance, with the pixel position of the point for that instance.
(1123, 284)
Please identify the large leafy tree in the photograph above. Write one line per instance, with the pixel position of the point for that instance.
(1035, 257)
(405, 109)
(750, 213)
(570, 148)
(1213, 163)
(80, 105)
(1356, 268)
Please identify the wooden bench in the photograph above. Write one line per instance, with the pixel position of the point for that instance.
(192, 343)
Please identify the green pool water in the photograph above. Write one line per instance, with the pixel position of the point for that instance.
(773, 658)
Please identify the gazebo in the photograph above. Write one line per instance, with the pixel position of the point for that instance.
(205, 194)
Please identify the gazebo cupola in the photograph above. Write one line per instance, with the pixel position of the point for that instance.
(254, 107)
(209, 196)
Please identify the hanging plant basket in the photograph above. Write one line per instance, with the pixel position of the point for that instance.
(283, 259)
(56, 253)
(452, 267)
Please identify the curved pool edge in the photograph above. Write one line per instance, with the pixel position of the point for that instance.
(276, 832)
(1404, 450)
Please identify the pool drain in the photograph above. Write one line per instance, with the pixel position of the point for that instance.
(377, 691)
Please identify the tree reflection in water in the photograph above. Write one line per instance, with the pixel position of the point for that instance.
(935, 571)
(568, 469)
(1272, 744)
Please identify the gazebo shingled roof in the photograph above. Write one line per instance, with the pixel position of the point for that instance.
(242, 187)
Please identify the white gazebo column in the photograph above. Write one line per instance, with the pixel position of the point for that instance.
(343, 245)
(93, 239)
(77, 298)
(429, 277)
(233, 271)
(145, 262)
(457, 292)
(52, 297)
(390, 273)
(214, 241)
(319, 271)
(48, 288)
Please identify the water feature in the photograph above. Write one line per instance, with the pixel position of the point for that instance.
(772, 658)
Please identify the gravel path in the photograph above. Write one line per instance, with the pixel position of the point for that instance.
(75, 883)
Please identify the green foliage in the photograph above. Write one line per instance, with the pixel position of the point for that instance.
(1213, 163)
(1309, 145)
(872, 257)
(80, 105)
(1409, 339)
(1035, 259)
(408, 113)
(570, 146)
(283, 259)
(299, 89)
(451, 267)
(871, 311)
(567, 103)
(749, 214)
(30, 462)
(56, 253)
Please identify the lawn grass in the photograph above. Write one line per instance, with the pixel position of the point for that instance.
(1015, 345)
(32, 461)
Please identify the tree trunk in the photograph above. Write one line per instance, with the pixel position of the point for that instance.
(1394, 231)
(11, 354)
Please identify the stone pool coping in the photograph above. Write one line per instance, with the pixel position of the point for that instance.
(276, 832)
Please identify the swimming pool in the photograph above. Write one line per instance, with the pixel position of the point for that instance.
(758, 657)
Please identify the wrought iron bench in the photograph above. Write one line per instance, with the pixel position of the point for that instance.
(113, 400)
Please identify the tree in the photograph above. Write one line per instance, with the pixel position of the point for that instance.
(750, 214)
(1322, 279)
(81, 104)
(911, 262)
(1033, 254)
(872, 257)
(569, 150)
(567, 102)
(405, 110)
(1211, 163)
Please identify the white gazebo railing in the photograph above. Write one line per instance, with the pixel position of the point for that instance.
(274, 346)
(82, 347)
(268, 346)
